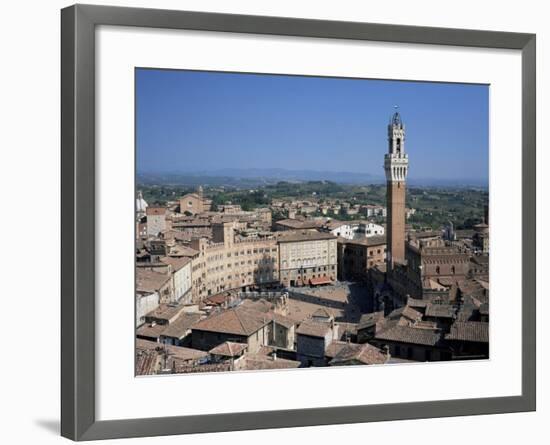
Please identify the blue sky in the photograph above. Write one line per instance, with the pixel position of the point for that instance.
(188, 121)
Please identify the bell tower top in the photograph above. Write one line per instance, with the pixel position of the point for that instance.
(396, 161)
(396, 134)
(396, 118)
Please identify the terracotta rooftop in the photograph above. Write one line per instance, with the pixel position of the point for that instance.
(472, 331)
(174, 352)
(299, 224)
(313, 328)
(148, 280)
(183, 251)
(416, 303)
(376, 240)
(238, 321)
(229, 349)
(261, 361)
(322, 313)
(334, 348)
(217, 299)
(176, 263)
(151, 330)
(282, 320)
(334, 224)
(155, 210)
(189, 195)
(475, 289)
(429, 283)
(407, 312)
(362, 353)
(177, 235)
(298, 236)
(407, 334)
(191, 224)
(181, 325)
(165, 312)
(260, 305)
(440, 310)
(368, 320)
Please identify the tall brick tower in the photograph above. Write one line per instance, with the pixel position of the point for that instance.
(396, 165)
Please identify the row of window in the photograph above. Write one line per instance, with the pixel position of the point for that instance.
(255, 251)
(438, 270)
(307, 271)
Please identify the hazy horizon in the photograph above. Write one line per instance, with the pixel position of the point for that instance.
(259, 177)
(230, 172)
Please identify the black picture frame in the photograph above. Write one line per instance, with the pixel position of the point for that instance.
(78, 23)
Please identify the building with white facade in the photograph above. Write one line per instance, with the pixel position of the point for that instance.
(368, 229)
(374, 210)
(141, 205)
(145, 303)
(354, 229)
(181, 276)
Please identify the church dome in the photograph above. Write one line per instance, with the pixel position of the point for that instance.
(141, 204)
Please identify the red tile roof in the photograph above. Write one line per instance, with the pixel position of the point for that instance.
(238, 321)
(229, 349)
(407, 334)
(313, 328)
(473, 331)
(176, 263)
(155, 211)
(353, 353)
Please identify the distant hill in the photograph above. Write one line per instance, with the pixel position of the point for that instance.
(255, 177)
(280, 174)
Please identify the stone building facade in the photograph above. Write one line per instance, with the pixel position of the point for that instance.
(434, 259)
(230, 263)
(356, 257)
(481, 237)
(156, 220)
(313, 337)
(306, 255)
(194, 203)
(432, 268)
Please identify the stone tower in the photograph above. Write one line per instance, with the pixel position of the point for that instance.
(396, 164)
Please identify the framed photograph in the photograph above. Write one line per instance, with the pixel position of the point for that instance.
(274, 222)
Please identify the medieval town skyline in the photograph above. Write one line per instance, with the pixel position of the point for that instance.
(288, 276)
